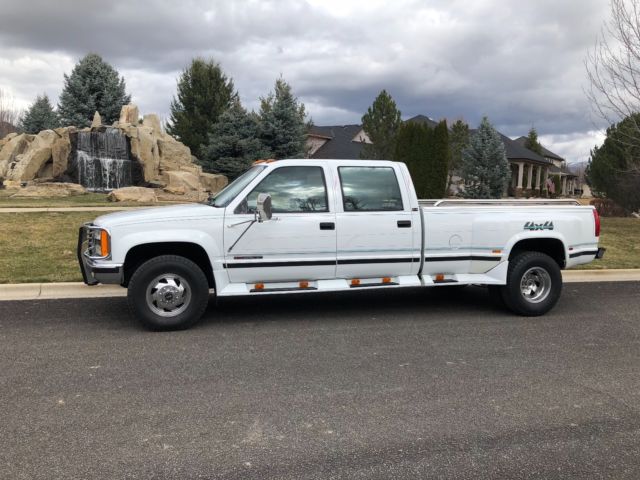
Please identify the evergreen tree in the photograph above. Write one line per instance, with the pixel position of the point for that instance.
(614, 166)
(39, 116)
(282, 122)
(426, 153)
(532, 142)
(93, 85)
(458, 142)
(381, 123)
(204, 93)
(233, 143)
(485, 167)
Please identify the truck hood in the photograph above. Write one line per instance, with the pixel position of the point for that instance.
(159, 214)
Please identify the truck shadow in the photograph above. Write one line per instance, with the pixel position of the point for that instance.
(438, 302)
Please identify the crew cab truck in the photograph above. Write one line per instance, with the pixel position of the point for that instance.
(300, 226)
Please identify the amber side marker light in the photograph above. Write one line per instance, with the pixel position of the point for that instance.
(386, 280)
(439, 277)
(104, 243)
(304, 284)
(355, 281)
(259, 286)
(496, 251)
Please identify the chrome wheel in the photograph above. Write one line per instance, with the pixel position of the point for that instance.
(168, 295)
(535, 285)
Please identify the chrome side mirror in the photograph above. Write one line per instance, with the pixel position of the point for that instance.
(263, 206)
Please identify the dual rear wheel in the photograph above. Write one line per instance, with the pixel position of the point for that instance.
(534, 284)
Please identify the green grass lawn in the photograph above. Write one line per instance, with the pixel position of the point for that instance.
(621, 238)
(41, 247)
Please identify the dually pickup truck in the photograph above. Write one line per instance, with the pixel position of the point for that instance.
(299, 226)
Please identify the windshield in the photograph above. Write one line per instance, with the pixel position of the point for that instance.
(227, 194)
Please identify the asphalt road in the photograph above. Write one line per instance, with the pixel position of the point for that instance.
(399, 384)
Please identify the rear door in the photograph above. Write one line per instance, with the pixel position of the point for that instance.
(376, 224)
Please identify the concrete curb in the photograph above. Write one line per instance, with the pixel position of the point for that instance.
(49, 291)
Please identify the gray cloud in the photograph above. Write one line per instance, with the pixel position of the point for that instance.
(520, 63)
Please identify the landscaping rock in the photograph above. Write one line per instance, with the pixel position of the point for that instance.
(97, 120)
(212, 182)
(129, 114)
(133, 194)
(181, 182)
(60, 151)
(50, 189)
(16, 145)
(151, 120)
(26, 166)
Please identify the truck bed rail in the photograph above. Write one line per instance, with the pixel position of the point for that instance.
(455, 202)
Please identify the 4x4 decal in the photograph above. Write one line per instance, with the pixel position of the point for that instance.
(538, 226)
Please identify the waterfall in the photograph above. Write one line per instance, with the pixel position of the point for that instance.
(102, 160)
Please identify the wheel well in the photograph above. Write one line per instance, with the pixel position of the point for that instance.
(550, 246)
(141, 253)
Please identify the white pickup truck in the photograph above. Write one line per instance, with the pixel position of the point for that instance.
(298, 226)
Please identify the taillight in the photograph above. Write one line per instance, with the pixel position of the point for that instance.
(596, 218)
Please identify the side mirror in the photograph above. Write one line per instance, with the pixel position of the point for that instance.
(263, 205)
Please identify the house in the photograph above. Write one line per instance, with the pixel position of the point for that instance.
(568, 180)
(529, 171)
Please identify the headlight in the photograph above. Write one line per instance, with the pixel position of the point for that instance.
(99, 243)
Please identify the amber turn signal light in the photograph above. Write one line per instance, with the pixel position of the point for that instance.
(104, 243)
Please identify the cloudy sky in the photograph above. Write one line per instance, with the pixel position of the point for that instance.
(519, 62)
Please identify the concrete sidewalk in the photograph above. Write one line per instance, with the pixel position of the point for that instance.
(45, 291)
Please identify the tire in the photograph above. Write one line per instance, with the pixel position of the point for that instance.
(168, 293)
(534, 284)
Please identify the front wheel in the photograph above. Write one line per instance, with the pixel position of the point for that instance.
(168, 293)
(534, 284)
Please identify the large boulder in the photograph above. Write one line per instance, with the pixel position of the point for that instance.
(97, 120)
(26, 166)
(151, 120)
(60, 151)
(212, 182)
(50, 189)
(174, 155)
(11, 148)
(179, 183)
(144, 147)
(129, 114)
(133, 194)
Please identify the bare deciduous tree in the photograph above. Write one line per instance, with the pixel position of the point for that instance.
(613, 66)
(9, 114)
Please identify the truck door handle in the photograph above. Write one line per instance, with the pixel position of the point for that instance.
(404, 223)
(327, 226)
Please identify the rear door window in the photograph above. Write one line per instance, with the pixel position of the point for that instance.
(370, 189)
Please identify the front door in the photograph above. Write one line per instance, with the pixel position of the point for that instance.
(377, 226)
(298, 243)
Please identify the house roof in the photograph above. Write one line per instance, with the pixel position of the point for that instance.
(341, 144)
(423, 119)
(545, 152)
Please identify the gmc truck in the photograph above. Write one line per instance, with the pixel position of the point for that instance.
(300, 226)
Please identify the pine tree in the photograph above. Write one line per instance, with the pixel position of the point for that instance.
(532, 142)
(458, 142)
(381, 123)
(93, 85)
(282, 122)
(233, 143)
(425, 151)
(204, 93)
(485, 167)
(39, 116)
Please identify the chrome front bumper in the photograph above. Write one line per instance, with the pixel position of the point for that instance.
(93, 270)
